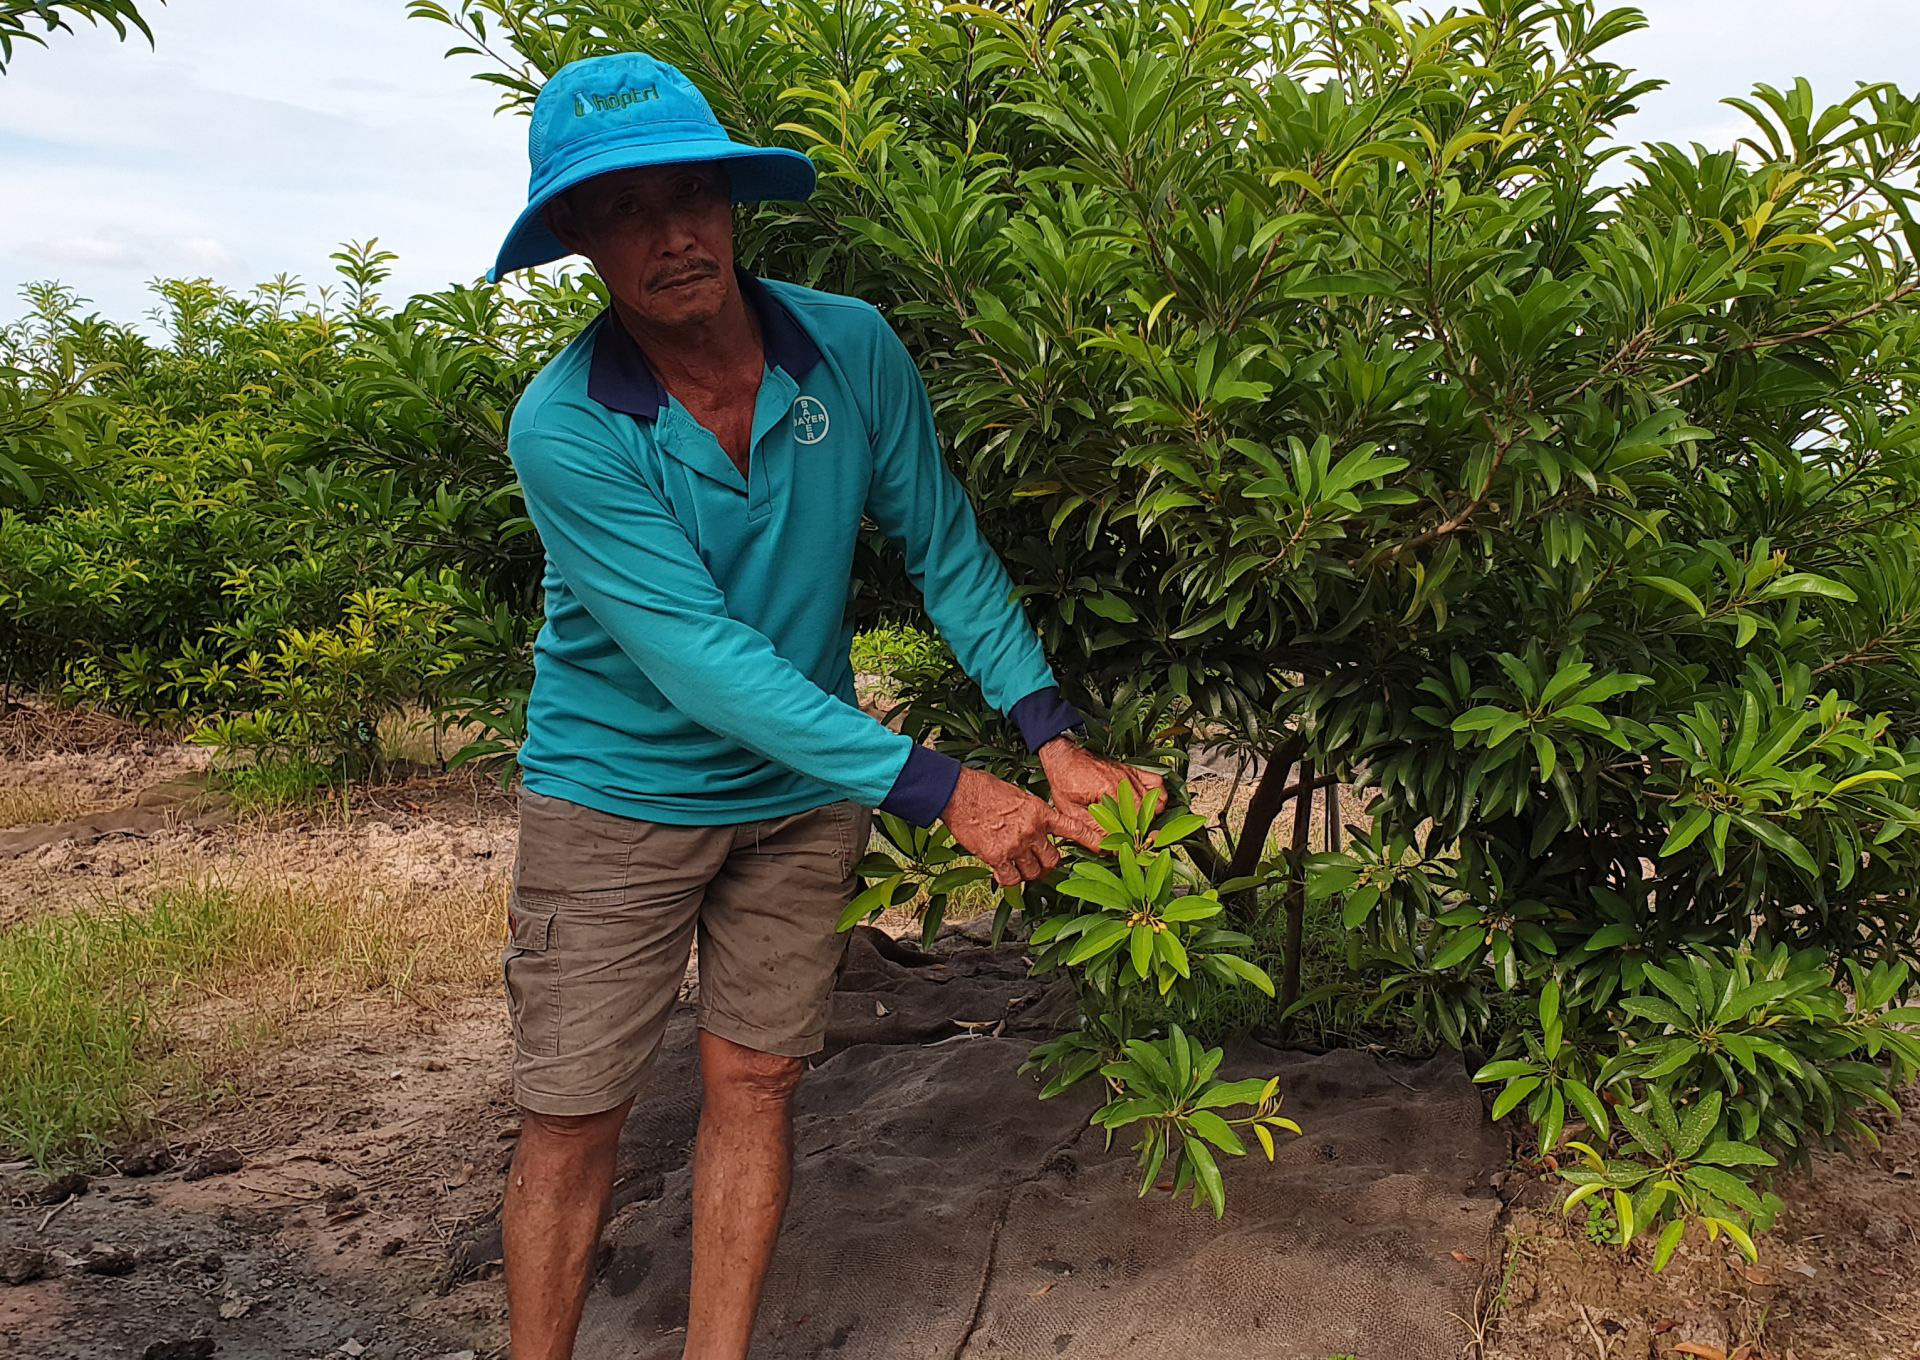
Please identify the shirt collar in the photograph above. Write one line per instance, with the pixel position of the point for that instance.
(621, 379)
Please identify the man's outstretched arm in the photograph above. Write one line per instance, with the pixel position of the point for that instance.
(921, 505)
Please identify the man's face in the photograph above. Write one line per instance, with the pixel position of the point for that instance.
(661, 238)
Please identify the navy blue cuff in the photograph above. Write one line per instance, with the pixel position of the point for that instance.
(1044, 715)
(924, 786)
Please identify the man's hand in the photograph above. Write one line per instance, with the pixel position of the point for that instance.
(1080, 779)
(1009, 829)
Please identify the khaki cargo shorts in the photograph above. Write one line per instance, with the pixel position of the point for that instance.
(604, 910)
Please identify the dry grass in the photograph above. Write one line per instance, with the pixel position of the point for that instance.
(413, 737)
(302, 947)
(30, 729)
(100, 1012)
(32, 804)
(410, 737)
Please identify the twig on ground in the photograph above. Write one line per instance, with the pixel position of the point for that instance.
(1387, 1072)
(269, 1190)
(1593, 1331)
(993, 1239)
(1475, 1346)
(48, 1217)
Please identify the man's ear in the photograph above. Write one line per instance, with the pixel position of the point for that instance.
(564, 222)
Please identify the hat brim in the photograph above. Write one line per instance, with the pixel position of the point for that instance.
(757, 174)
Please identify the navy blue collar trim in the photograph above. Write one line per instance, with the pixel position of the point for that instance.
(621, 379)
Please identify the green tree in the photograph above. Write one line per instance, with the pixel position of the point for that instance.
(1342, 391)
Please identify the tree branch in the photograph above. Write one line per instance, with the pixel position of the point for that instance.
(1774, 341)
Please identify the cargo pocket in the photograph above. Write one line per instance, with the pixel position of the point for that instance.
(532, 977)
(856, 831)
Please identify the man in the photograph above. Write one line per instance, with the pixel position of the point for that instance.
(698, 463)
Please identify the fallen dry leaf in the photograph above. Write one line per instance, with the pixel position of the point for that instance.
(1700, 1350)
(1665, 1325)
(466, 1175)
(1042, 1291)
(1758, 1275)
(881, 1010)
(1464, 1259)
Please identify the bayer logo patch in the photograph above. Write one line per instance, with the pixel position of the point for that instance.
(809, 421)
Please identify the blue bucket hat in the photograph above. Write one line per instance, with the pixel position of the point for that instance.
(626, 112)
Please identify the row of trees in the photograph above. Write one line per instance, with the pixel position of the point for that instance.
(288, 518)
(1339, 392)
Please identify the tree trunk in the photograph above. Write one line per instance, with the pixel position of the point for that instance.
(1268, 798)
(1333, 818)
(1297, 885)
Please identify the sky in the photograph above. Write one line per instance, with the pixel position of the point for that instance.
(259, 134)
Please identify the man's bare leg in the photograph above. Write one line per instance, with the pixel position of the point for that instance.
(557, 1194)
(742, 1169)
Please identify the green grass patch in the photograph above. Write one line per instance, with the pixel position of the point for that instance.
(81, 1050)
(98, 1013)
(279, 785)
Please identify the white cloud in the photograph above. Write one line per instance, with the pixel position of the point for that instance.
(91, 252)
(205, 255)
(260, 135)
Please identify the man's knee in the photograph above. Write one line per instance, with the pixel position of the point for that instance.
(745, 1077)
(572, 1135)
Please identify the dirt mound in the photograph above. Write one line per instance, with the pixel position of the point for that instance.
(940, 1210)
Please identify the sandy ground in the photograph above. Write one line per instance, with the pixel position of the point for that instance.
(344, 1158)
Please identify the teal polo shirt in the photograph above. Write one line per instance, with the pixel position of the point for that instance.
(693, 667)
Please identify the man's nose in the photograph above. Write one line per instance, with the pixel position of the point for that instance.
(677, 232)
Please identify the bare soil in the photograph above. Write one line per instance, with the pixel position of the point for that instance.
(355, 1159)
(1837, 1279)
